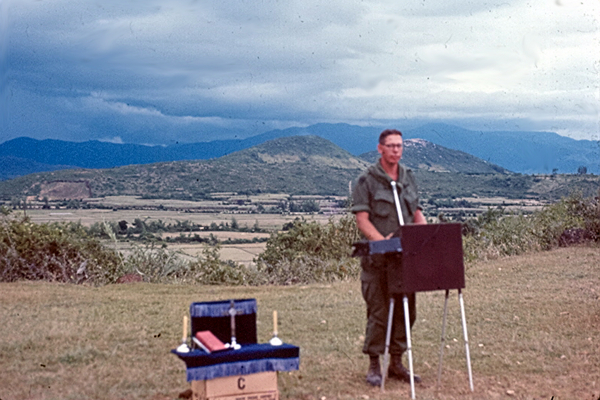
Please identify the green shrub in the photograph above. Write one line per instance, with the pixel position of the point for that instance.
(154, 263)
(591, 216)
(307, 252)
(496, 233)
(60, 252)
(157, 264)
(310, 252)
(553, 220)
(305, 269)
(209, 269)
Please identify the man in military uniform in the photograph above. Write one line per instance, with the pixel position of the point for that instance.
(377, 219)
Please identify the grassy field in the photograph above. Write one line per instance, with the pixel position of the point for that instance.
(533, 328)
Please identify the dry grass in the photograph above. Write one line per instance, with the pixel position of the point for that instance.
(533, 329)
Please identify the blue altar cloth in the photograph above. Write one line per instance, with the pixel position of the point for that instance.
(249, 359)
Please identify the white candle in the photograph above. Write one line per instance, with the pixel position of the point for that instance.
(185, 325)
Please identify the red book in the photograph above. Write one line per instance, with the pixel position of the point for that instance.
(209, 342)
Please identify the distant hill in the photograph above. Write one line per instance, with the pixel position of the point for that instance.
(298, 165)
(523, 152)
(90, 154)
(520, 152)
(12, 167)
(422, 155)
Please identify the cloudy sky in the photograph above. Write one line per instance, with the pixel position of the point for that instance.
(149, 71)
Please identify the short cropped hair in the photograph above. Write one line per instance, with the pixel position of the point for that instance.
(387, 133)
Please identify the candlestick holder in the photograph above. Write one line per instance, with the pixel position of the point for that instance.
(183, 347)
(275, 341)
(232, 313)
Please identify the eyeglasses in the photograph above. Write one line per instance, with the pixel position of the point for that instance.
(393, 146)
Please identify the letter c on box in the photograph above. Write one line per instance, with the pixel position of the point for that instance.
(241, 384)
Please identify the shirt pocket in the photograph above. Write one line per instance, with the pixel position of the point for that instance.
(411, 199)
(383, 203)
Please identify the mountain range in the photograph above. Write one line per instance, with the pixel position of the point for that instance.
(419, 154)
(520, 152)
(296, 165)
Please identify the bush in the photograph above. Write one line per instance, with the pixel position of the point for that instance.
(211, 270)
(306, 269)
(154, 264)
(65, 252)
(159, 265)
(306, 252)
(495, 233)
(591, 219)
(59, 252)
(310, 252)
(552, 221)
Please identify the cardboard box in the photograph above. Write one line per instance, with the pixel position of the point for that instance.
(260, 386)
(250, 396)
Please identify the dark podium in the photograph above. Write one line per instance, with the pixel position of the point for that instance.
(432, 259)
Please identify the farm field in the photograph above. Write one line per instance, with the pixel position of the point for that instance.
(88, 217)
(203, 212)
(532, 319)
(240, 253)
(178, 210)
(524, 205)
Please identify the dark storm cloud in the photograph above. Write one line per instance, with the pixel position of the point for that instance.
(156, 71)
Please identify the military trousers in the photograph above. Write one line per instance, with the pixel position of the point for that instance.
(375, 288)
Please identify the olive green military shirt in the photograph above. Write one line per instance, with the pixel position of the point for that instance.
(373, 193)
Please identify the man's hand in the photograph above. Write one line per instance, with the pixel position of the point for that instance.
(371, 233)
(420, 218)
(366, 227)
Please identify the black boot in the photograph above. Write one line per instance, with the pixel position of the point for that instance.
(397, 370)
(374, 373)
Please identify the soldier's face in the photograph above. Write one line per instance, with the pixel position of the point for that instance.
(391, 150)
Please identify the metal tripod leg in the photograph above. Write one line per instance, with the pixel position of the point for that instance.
(388, 336)
(409, 346)
(443, 341)
(464, 325)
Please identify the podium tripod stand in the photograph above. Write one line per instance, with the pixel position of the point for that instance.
(432, 259)
(464, 327)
